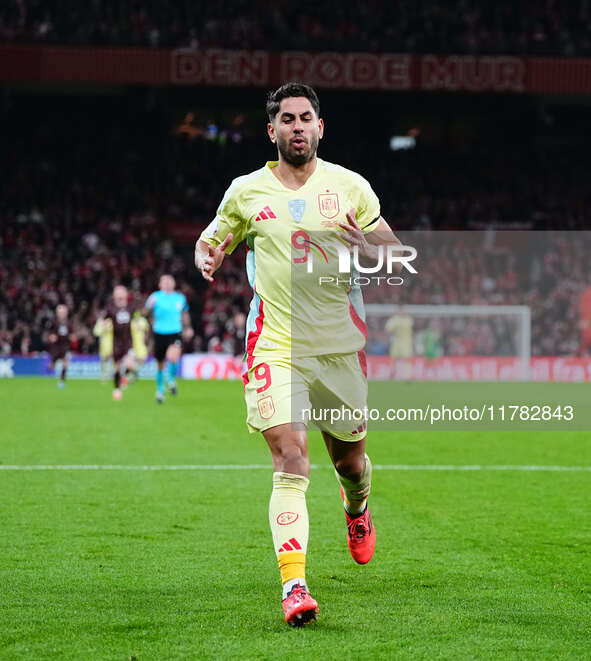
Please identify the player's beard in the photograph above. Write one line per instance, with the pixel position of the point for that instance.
(294, 158)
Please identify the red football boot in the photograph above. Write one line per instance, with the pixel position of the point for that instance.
(361, 535)
(299, 607)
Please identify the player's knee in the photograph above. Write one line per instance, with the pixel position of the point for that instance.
(289, 450)
(173, 353)
(292, 453)
(291, 458)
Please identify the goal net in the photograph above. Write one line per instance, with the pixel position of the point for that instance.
(448, 342)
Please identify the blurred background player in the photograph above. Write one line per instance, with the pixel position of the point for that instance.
(103, 330)
(120, 313)
(400, 327)
(59, 341)
(430, 340)
(139, 337)
(170, 313)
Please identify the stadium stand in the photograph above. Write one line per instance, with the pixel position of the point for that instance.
(466, 27)
(73, 226)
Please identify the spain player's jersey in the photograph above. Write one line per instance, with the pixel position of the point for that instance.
(139, 330)
(103, 329)
(293, 239)
(401, 327)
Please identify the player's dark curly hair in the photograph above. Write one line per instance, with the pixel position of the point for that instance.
(290, 90)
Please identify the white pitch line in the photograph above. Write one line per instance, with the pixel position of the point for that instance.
(476, 467)
(230, 467)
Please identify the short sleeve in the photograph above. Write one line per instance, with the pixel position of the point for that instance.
(368, 207)
(151, 302)
(228, 219)
(184, 302)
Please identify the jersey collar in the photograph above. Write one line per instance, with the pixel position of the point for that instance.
(269, 165)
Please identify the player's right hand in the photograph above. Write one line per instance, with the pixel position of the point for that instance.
(208, 259)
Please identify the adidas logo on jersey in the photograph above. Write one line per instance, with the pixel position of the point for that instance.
(265, 214)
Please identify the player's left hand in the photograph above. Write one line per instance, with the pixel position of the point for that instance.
(354, 236)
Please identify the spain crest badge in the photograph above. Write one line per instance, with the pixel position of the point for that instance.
(328, 204)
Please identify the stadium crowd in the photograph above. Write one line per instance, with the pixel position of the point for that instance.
(73, 223)
(43, 264)
(436, 26)
(546, 271)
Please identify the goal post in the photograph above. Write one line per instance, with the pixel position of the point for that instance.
(377, 315)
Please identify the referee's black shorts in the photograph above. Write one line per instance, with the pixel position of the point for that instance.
(162, 341)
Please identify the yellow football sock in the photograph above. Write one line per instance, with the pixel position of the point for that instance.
(288, 518)
(356, 493)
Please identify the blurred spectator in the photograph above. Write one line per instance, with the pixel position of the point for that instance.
(422, 26)
(74, 222)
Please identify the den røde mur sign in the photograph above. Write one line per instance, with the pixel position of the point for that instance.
(349, 70)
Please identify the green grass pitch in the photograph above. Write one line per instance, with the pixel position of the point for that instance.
(158, 565)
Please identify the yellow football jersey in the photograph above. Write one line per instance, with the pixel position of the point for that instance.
(293, 249)
(401, 328)
(103, 330)
(139, 331)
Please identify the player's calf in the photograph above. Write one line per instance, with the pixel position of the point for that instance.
(361, 535)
